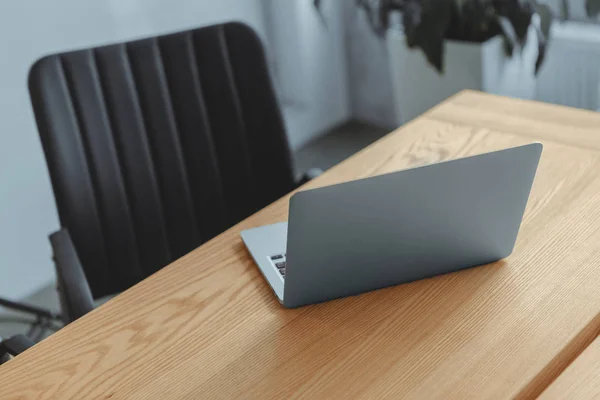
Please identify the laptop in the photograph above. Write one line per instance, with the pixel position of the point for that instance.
(367, 234)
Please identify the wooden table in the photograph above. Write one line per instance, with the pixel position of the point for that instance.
(581, 380)
(208, 326)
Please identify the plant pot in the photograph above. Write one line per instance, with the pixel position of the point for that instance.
(417, 86)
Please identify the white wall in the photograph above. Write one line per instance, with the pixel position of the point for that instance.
(283, 41)
(369, 78)
(29, 29)
(323, 99)
(573, 56)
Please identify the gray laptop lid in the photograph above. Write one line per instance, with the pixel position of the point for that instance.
(371, 233)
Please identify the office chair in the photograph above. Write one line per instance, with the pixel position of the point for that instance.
(44, 319)
(13, 346)
(154, 146)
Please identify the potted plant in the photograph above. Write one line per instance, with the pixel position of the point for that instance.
(440, 47)
(444, 46)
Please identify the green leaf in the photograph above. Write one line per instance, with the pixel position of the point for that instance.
(542, 46)
(520, 18)
(425, 25)
(510, 36)
(428, 23)
(593, 8)
(543, 32)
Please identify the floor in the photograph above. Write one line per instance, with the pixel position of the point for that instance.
(337, 144)
(324, 152)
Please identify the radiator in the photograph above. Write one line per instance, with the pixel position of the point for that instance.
(571, 73)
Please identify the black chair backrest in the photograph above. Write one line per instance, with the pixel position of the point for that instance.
(157, 145)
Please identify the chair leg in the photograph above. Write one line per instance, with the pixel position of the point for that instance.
(13, 346)
(43, 318)
(16, 344)
(38, 312)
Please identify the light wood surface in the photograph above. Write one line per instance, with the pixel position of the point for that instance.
(581, 380)
(208, 326)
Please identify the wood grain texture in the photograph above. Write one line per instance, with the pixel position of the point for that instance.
(208, 325)
(572, 126)
(581, 380)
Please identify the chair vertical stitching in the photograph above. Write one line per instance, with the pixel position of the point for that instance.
(84, 149)
(98, 84)
(224, 46)
(197, 84)
(148, 147)
(174, 126)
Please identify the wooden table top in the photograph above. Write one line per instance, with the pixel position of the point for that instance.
(208, 326)
(581, 380)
